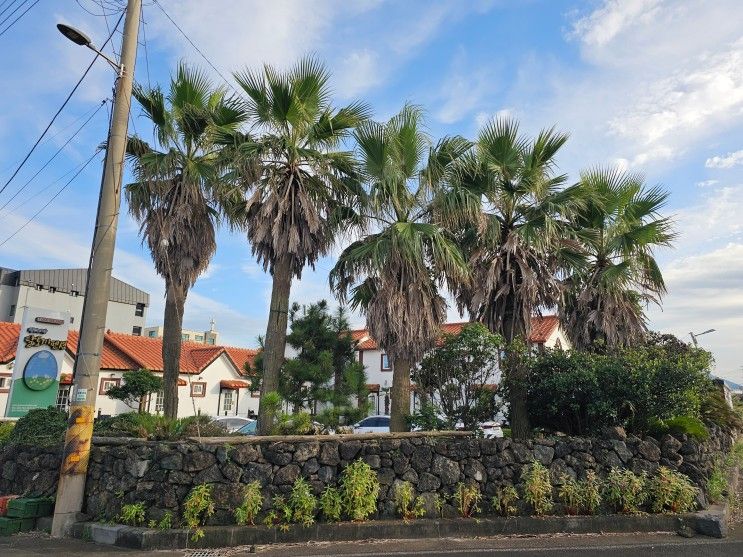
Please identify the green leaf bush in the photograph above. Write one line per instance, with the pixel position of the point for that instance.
(41, 427)
(537, 487)
(624, 491)
(360, 490)
(671, 491)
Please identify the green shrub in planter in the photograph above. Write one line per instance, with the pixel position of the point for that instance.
(624, 491)
(671, 491)
(537, 487)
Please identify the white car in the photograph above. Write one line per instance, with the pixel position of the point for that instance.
(232, 423)
(373, 424)
(491, 429)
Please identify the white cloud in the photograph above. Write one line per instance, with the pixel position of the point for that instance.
(483, 118)
(608, 21)
(462, 91)
(706, 183)
(358, 71)
(715, 219)
(725, 161)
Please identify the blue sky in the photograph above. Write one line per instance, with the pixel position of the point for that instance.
(655, 86)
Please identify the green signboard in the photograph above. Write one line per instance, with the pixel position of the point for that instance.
(38, 362)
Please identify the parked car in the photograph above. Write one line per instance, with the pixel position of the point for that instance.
(251, 428)
(491, 429)
(373, 424)
(232, 423)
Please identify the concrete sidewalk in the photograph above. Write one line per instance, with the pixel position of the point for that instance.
(629, 545)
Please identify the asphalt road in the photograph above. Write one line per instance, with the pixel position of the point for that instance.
(640, 545)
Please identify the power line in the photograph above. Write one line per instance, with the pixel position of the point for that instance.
(18, 7)
(61, 108)
(57, 152)
(196, 48)
(57, 194)
(16, 19)
(9, 6)
(146, 52)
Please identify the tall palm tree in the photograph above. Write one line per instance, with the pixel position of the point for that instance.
(305, 189)
(178, 192)
(516, 245)
(394, 274)
(619, 226)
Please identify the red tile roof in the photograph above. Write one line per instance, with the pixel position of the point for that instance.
(541, 329)
(233, 384)
(127, 352)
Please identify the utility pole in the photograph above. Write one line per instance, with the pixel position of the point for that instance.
(71, 487)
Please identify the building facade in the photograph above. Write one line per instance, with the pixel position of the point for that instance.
(210, 337)
(212, 378)
(546, 333)
(64, 290)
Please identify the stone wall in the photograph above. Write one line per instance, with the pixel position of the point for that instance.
(162, 474)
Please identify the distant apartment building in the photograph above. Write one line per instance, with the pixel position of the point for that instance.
(64, 290)
(201, 337)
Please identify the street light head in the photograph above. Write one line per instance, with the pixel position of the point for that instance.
(708, 331)
(77, 37)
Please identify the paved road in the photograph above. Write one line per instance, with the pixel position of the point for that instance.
(640, 545)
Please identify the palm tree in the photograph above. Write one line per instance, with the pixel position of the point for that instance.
(177, 194)
(516, 245)
(305, 189)
(394, 274)
(619, 227)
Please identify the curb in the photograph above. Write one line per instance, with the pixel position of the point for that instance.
(712, 522)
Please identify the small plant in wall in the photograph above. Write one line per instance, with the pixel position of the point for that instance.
(407, 504)
(166, 522)
(624, 491)
(132, 514)
(359, 489)
(251, 505)
(537, 488)
(197, 509)
(671, 491)
(590, 499)
(467, 498)
(570, 495)
(331, 504)
(504, 500)
(302, 502)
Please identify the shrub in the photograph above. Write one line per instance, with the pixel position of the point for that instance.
(671, 491)
(591, 493)
(137, 386)
(293, 424)
(5, 430)
(537, 487)
(467, 498)
(570, 495)
(714, 408)
(580, 393)
(302, 502)
(152, 426)
(407, 504)
(688, 425)
(41, 426)
(197, 509)
(251, 505)
(331, 504)
(132, 514)
(717, 482)
(360, 489)
(166, 522)
(624, 491)
(504, 499)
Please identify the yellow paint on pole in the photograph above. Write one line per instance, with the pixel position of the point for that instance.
(77, 441)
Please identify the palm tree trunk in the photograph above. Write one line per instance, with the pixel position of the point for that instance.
(175, 300)
(275, 343)
(400, 396)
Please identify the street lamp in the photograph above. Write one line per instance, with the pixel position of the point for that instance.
(695, 335)
(80, 38)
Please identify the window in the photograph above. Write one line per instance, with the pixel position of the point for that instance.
(199, 338)
(255, 394)
(185, 336)
(139, 310)
(39, 287)
(52, 289)
(152, 334)
(227, 398)
(72, 319)
(137, 331)
(210, 340)
(159, 401)
(107, 383)
(385, 363)
(74, 293)
(2, 382)
(12, 310)
(63, 398)
(198, 389)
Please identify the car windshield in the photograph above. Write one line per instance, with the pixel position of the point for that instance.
(249, 427)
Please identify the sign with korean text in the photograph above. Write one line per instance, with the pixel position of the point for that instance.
(38, 361)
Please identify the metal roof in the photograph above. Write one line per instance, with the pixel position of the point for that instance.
(66, 280)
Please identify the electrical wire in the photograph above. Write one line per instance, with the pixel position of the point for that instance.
(196, 48)
(57, 194)
(16, 19)
(61, 108)
(7, 7)
(18, 7)
(57, 152)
